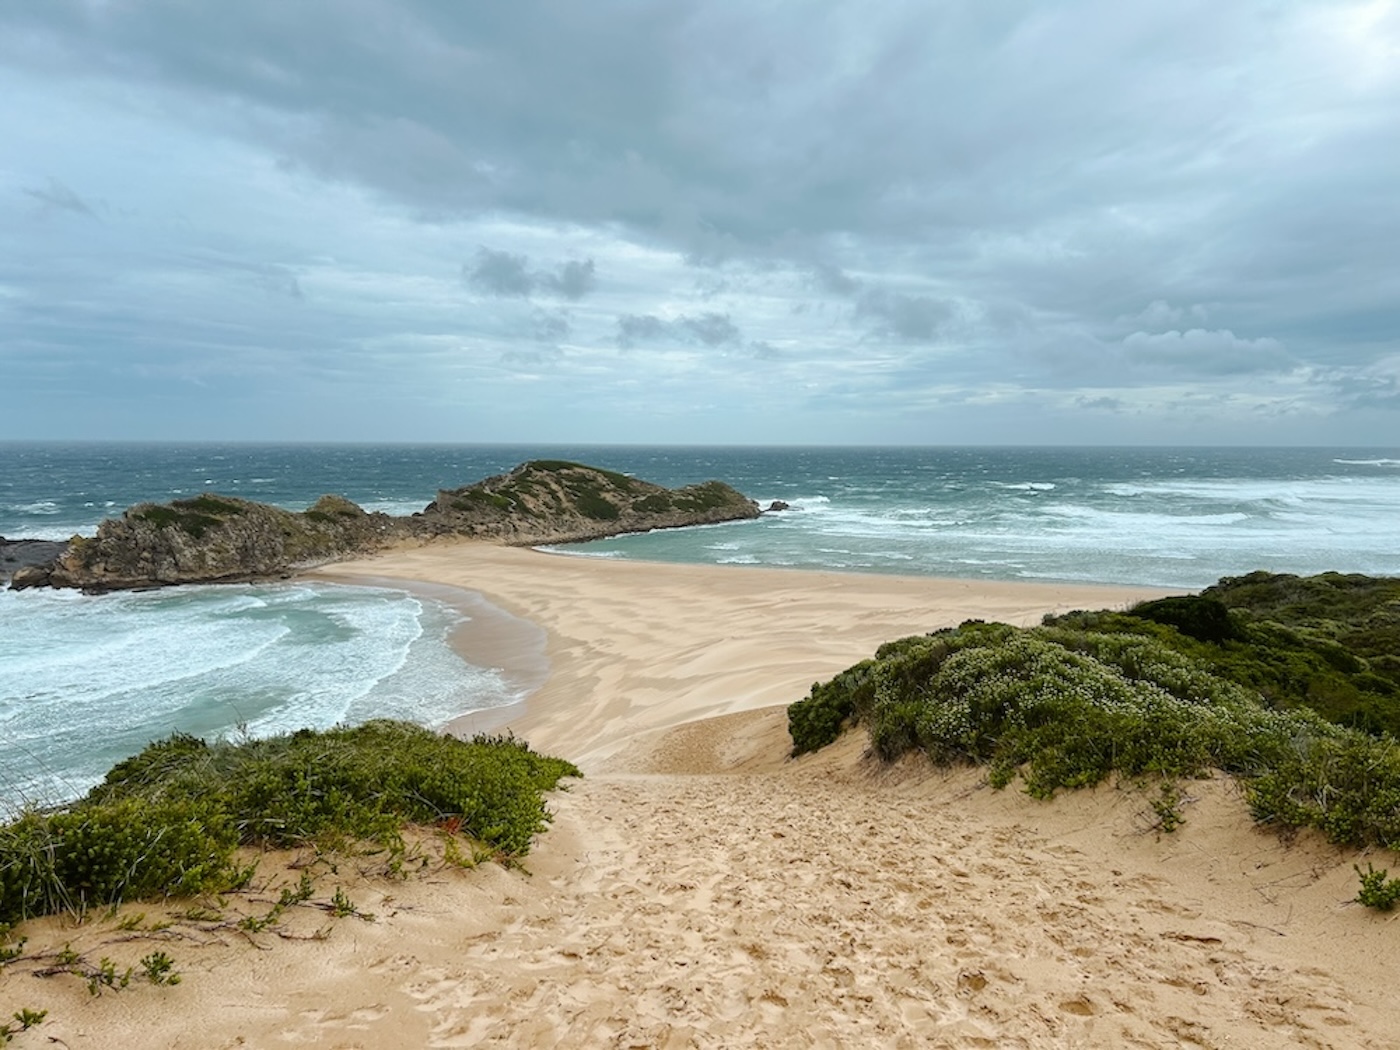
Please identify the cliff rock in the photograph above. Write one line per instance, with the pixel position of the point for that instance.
(208, 539)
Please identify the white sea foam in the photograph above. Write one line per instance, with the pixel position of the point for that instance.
(43, 506)
(396, 508)
(205, 660)
(574, 551)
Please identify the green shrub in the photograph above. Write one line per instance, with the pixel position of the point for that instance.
(1205, 619)
(1377, 891)
(193, 516)
(101, 854)
(593, 505)
(166, 821)
(1088, 695)
(817, 721)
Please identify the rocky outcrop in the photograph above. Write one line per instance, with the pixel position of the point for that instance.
(552, 501)
(210, 539)
(215, 539)
(18, 556)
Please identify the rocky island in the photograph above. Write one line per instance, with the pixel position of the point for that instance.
(216, 539)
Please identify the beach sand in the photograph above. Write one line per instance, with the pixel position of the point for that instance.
(699, 888)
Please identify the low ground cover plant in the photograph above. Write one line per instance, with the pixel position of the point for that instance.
(1171, 689)
(167, 822)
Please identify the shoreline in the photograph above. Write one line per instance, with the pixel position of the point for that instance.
(721, 639)
(488, 637)
(700, 888)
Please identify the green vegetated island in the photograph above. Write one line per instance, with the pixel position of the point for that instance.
(1291, 684)
(214, 538)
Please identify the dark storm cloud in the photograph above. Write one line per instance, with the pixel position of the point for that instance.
(913, 318)
(634, 330)
(499, 273)
(709, 329)
(573, 280)
(688, 120)
(1069, 195)
(504, 274)
(549, 327)
(833, 280)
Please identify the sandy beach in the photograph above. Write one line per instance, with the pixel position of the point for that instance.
(698, 888)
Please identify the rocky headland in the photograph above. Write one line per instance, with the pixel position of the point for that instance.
(217, 539)
(551, 501)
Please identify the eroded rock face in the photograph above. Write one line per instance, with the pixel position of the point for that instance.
(213, 538)
(551, 501)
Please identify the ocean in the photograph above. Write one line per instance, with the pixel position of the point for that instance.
(85, 681)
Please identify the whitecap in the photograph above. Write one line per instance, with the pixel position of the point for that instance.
(572, 551)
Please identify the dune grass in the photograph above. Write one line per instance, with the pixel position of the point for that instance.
(167, 821)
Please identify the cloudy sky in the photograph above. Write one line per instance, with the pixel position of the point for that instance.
(674, 221)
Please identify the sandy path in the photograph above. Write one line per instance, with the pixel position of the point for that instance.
(700, 889)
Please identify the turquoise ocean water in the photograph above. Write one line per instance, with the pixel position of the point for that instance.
(87, 680)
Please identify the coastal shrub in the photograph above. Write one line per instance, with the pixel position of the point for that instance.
(820, 719)
(592, 504)
(707, 495)
(98, 855)
(1291, 648)
(1205, 619)
(568, 467)
(656, 503)
(1089, 695)
(475, 498)
(167, 820)
(193, 516)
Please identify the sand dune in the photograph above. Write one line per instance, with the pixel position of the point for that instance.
(700, 889)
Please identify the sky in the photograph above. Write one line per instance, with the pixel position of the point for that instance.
(683, 222)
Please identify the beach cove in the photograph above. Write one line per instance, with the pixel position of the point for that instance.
(698, 888)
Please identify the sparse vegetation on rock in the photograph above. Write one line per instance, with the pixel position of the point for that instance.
(555, 501)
